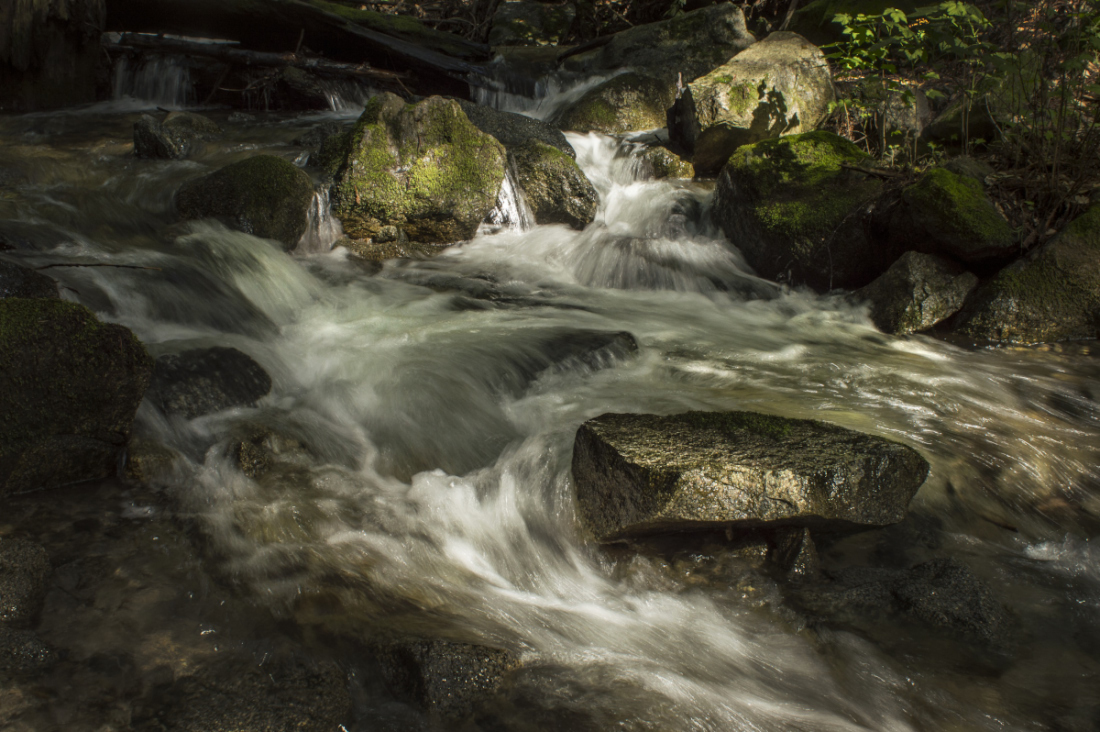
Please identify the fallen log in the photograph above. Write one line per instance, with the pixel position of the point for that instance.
(285, 25)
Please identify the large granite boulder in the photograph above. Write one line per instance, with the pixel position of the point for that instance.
(1051, 295)
(424, 168)
(24, 570)
(556, 189)
(640, 474)
(779, 86)
(529, 23)
(207, 380)
(918, 291)
(951, 215)
(264, 195)
(176, 138)
(19, 281)
(514, 130)
(795, 208)
(70, 386)
(625, 103)
(684, 47)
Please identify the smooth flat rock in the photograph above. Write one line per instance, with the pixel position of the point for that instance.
(639, 474)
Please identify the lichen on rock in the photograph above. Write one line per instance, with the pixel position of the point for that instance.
(421, 167)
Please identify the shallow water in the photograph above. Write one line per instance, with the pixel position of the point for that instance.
(431, 491)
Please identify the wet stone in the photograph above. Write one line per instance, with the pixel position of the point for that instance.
(176, 138)
(918, 291)
(23, 654)
(148, 461)
(19, 281)
(207, 380)
(24, 570)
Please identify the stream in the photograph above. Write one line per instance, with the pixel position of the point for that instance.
(431, 415)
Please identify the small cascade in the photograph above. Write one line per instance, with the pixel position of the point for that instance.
(539, 99)
(323, 229)
(164, 81)
(511, 212)
(348, 96)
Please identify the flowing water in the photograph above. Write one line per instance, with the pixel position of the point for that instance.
(431, 415)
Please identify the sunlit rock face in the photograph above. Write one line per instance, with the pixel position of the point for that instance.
(640, 474)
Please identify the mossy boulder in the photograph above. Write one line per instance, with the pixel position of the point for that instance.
(514, 130)
(640, 474)
(624, 103)
(555, 187)
(686, 46)
(951, 215)
(528, 23)
(177, 137)
(779, 86)
(798, 215)
(918, 291)
(70, 386)
(424, 168)
(662, 163)
(19, 281)
(1051, 295)
(815, 20)
(265, 196)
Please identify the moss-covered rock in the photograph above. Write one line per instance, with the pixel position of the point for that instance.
(423, 167)
(625, 103)
(815, 20)
(686, 46)
(779, 86)
(639, 474)
(918, 291)
(556, 189)
(70, 386)
(663, 163)
(19, 281)
(528, 23)
(1052, 295)
(948, 214)
(265, 196)
(796, 213)
(514, 130)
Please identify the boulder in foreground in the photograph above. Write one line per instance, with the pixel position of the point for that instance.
(639, 474)
(70, 386)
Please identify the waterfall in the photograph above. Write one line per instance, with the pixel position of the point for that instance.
(323, 229)
(164, 81)
(511, 212)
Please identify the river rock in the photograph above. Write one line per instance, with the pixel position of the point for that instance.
(640, 474)
(1053, 294)
(555, 187)
(684, 47)
(798, 215)
(265, 196)
(207, 380)
(779, 86)
(918, 291)
(514, 130)
(24, 570)
(148, 461)
(238, 694)
(948, 214)
(529, 23)
(625, 103)
(900, 122)
(176, 138)
(70, 386)
(22, 654)
(448, 679)
(661, 163)
(299, 89)
(19, 281)
(315, 136)
(422, 167)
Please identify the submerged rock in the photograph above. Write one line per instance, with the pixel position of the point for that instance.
(779, 86)
(207, 380)
(527, 23)
(514, 130)
(22, 654)
(797, 214)
(265, 196)
(448, 679)
(1051, 295)
(19, 281)
(640, 474)
(918, 291)
(70, 386)
(684, 47)
(948, 214)
(24, 570)
(176, 138)
(555, 187)
(423, 168)
(148, 461)
(625, 103)
(238, 694)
